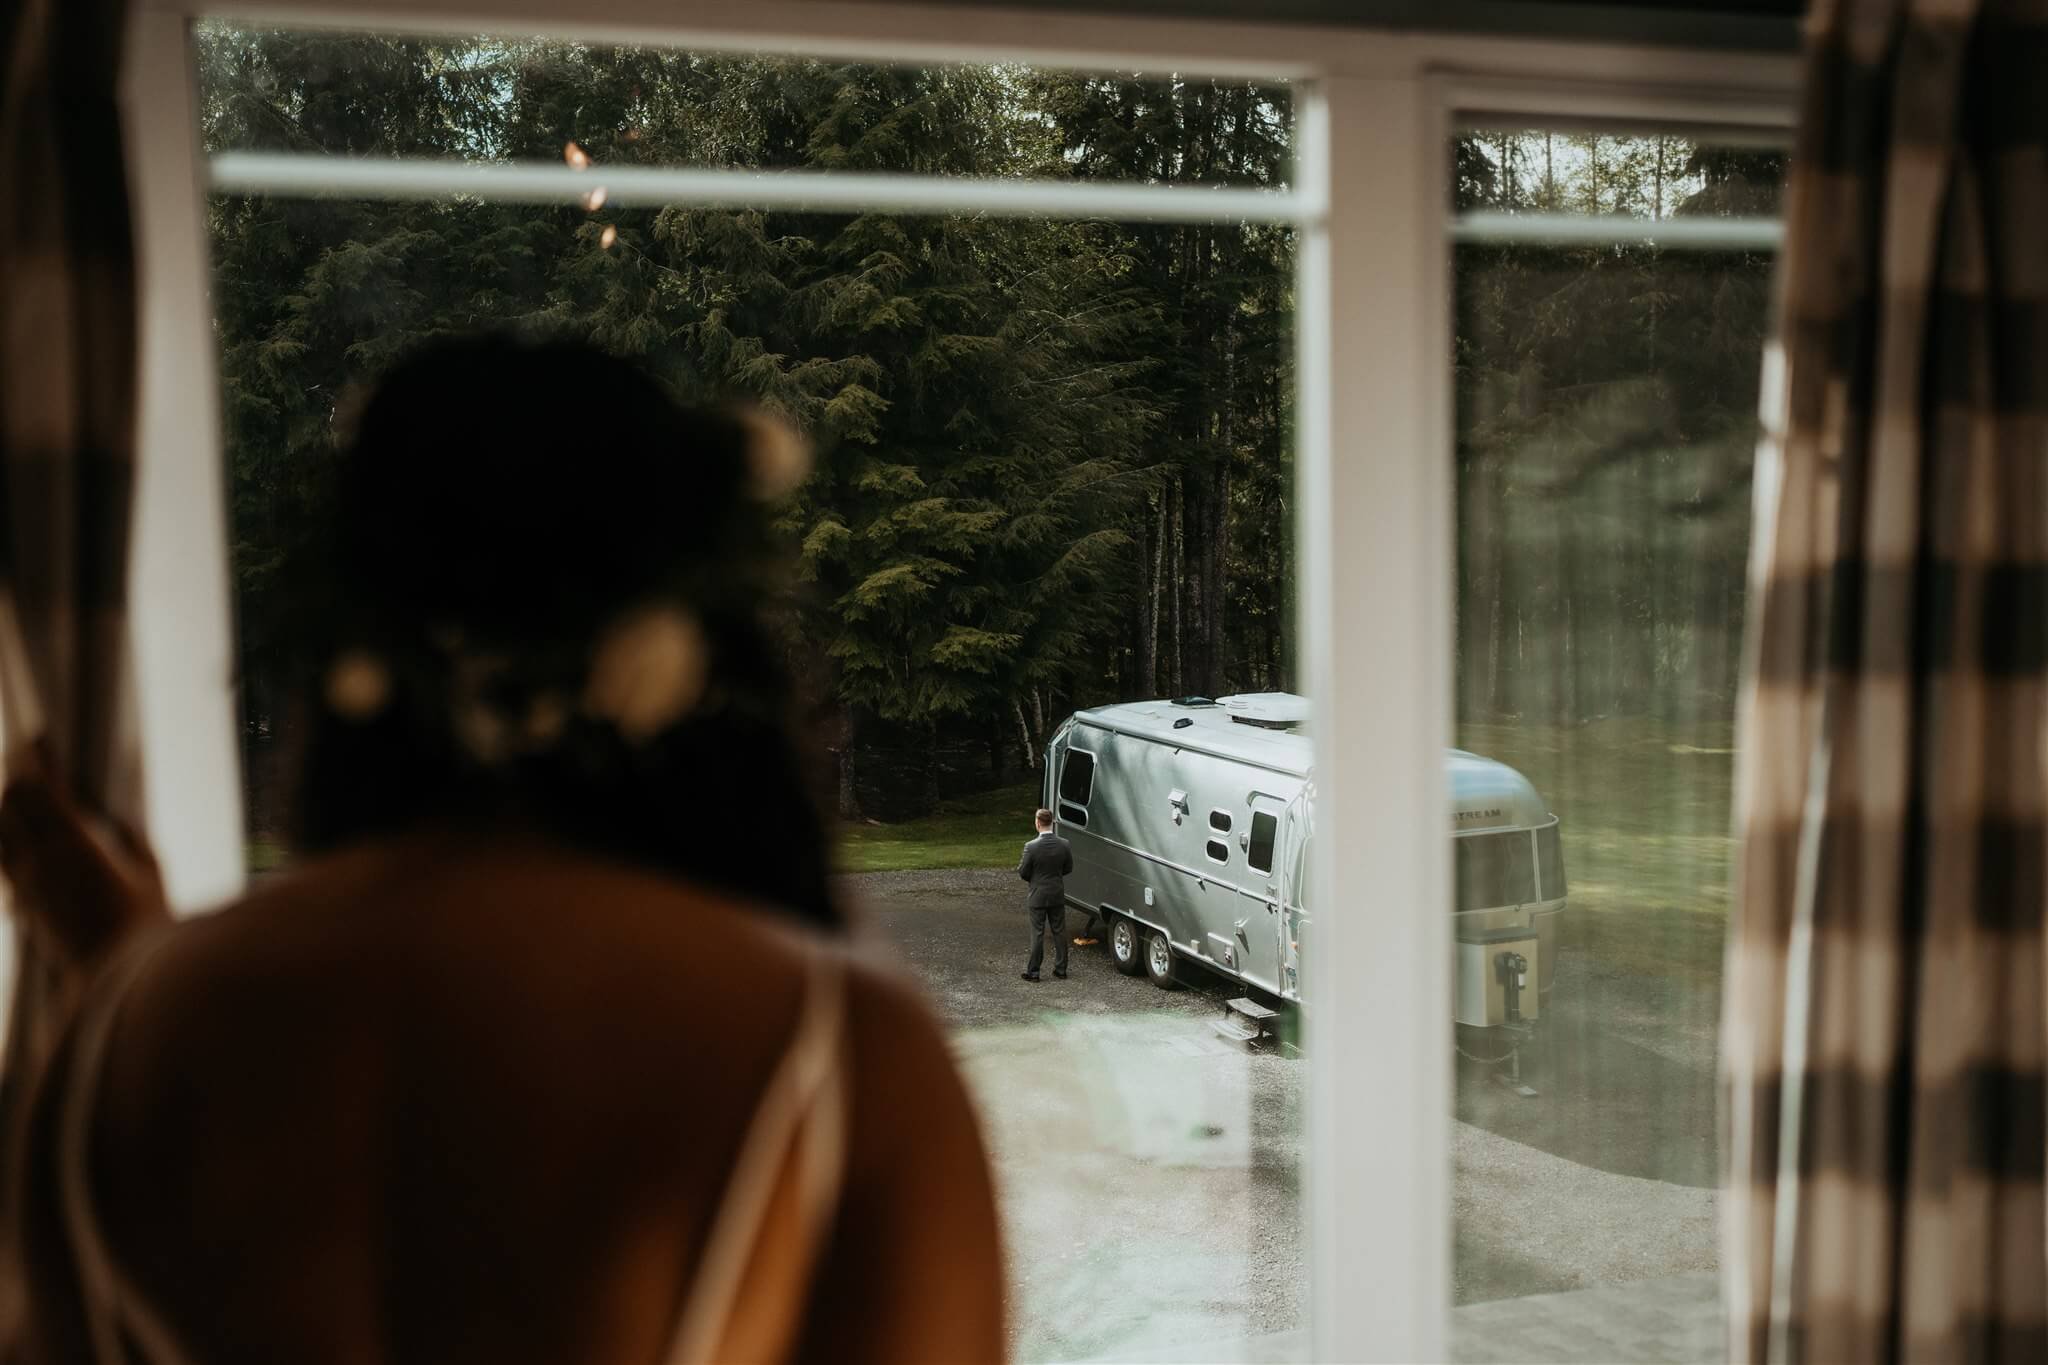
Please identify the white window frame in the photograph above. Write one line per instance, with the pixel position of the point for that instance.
(1375, 110)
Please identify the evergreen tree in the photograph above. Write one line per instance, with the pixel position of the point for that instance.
(977, 389)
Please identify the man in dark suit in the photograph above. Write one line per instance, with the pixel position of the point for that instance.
(1046, 862)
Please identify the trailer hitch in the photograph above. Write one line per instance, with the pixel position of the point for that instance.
(1511, 969)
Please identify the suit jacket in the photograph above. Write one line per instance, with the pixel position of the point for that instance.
(1046, 862)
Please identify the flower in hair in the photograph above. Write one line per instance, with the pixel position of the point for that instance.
(358, 685)
(778, 458)
(546, 719)
(647, 671)
(482, 732)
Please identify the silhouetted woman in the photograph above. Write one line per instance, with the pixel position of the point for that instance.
(551, 1049)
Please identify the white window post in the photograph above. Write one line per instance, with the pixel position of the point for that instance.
(1373, 492)
(181, 612)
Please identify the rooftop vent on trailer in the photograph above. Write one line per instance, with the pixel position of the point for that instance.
(1268, 722)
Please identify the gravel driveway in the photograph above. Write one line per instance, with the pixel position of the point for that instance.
(1150, 1173)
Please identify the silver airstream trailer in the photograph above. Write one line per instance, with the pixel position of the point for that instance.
(1191, 823)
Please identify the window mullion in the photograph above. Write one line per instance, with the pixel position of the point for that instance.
(180, 618)
(1374, 516)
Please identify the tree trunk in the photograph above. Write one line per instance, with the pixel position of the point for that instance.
(1027, 742)
(1217, 556)
(1497, 585)
(1226, 453)
(1153, 548)
(1567, 700)
(928, 767)
(1179, 580)
(849, 797)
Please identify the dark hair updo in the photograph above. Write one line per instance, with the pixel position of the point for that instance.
(542, 596)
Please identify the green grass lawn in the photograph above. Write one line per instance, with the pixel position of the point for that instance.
(985, 830)
(1643, 808)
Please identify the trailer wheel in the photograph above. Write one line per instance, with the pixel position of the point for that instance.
(1126, 945)
(1159, 961)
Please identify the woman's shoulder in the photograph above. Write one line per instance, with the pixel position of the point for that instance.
(534, 957)
(459, 904)
(383, 1015)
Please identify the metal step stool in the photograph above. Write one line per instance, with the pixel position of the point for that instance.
(1246, 1022)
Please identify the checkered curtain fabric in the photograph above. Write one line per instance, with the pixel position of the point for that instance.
(67, 373)
(1883, 1046)
(67, 410)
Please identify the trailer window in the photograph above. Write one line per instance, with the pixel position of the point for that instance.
(1219, 852)
(1077, 784)
(1077, 777)
(1260, 854)
(1219, 820)
(1549, 863)
(1496, 869)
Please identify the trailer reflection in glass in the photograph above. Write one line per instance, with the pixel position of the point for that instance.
(1191, 822)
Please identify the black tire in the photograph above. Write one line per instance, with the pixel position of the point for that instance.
(1126, 945)
(1159, 961)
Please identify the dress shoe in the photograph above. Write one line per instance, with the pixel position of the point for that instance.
(1029, 976)
(1060, 974)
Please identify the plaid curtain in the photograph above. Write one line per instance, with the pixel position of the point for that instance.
(67, 415)
(1885, 1019)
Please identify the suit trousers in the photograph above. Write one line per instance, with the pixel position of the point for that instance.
(1044, 917)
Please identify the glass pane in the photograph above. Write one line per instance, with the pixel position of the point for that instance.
(1606, 174)
(1077, 777)
(1260, 855)
(1494, 870)
(1606, 422)
(484, 99)
(1549, 864)
(1053, 475)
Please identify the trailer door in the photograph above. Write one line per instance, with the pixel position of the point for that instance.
(1297, 830)
(1261, 927)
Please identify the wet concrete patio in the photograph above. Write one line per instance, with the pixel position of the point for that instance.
(1672, 1321)
(1149, 1173)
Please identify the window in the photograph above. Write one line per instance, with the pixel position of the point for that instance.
(1077, 776)
(1495, 870)
(1549, 863)
(1612, 290)
(1219, 820)
(1005, 523)
(1369, 294)
(1259, 856)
